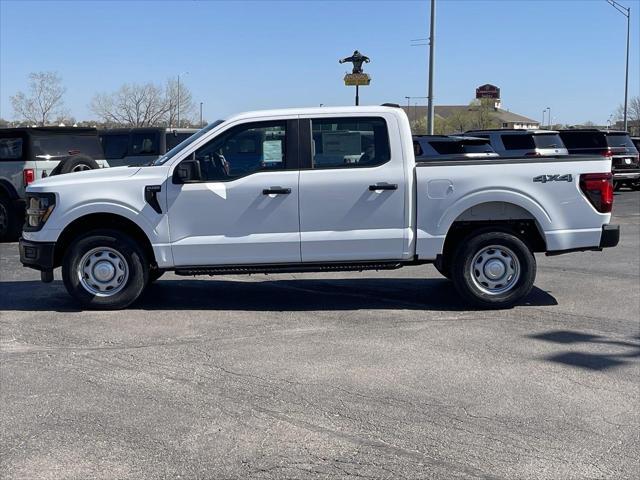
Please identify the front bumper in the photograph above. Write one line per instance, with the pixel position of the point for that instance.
(37, 255)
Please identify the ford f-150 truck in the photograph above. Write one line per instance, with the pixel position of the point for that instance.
(318, 189)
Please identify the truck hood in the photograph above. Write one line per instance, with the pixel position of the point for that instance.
(99, 175)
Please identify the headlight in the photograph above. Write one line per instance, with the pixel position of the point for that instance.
(39, 208)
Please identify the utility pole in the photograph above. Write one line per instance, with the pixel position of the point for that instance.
(627, 13)
(201, 125)
(432, 42)
(549, 108)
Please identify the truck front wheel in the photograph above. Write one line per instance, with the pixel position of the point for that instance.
(493, 269)
(105, 269)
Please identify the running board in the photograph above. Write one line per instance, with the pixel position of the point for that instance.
(288, 268)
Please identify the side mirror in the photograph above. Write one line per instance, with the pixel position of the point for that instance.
(188, 171)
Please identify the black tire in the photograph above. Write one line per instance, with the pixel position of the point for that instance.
(77, 163)
(9, 222)
(129, 251)
(154, 275)
(635, 186)
(466, 279)
(444, 268)
(616, 186)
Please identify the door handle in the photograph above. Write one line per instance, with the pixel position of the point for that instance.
(383, 186)
(276, 191)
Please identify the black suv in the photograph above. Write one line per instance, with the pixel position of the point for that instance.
(140, 145)
(613, 144)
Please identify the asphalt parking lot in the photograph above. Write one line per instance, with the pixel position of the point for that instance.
(373, 375)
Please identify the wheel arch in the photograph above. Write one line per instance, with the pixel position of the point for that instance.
(495, 216)
(96, 221)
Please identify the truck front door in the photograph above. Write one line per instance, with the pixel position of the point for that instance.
(240, 202)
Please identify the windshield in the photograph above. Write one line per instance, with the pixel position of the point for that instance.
(163, 159)
(548, 140)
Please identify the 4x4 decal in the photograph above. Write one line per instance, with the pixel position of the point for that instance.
(567, 177)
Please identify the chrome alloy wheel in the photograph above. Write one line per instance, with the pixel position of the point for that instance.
(495, 269)
(81, 168)
(103, 271)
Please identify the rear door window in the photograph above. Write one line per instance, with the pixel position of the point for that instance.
(583, 140)
(350, 142)
(548, 140)
(447, 148)
(11, 148)
(477, 147)
(115, 146)
(145, 143)
(47, 147)
(518, 142)
(619, 140)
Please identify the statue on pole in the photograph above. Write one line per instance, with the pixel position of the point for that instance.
(357, 78)
(357, 59)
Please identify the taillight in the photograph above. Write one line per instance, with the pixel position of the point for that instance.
(28, 176)
(598, 188)
(607, 153)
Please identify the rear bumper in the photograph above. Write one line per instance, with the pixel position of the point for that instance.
(624, 175)
(37, 255)
(610, 236)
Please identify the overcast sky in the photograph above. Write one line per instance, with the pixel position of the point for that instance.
(567, 55)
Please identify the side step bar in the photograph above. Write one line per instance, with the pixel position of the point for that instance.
(288, 268)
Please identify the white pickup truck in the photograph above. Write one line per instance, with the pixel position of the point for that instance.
(317, 189)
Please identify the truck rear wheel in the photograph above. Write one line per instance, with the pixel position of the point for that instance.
(9, 226)
(493, 269)
(105, 269)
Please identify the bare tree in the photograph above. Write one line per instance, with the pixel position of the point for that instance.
(459, 121)
(181, 99)
(482, 113)
(133, 105)
(145, 105)
(43, 100)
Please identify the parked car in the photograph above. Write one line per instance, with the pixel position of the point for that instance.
(335, 189)
(434, 147)
(611, 144)
(136, 146)
(27, 154)
(523, 142)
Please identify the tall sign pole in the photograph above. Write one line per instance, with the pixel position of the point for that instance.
(627, 13)
(357, 77)
(432, 42)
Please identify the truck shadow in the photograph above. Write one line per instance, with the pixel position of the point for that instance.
(268, 295)
(623, 351)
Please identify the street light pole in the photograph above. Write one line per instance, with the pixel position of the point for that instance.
(542, 124)
(627, 13)
(549, 108)
(432, 42)
(183, 73)
(201, 115)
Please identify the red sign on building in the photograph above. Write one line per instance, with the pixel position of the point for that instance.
(488, 91)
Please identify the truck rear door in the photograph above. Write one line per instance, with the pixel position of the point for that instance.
(352, 190)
